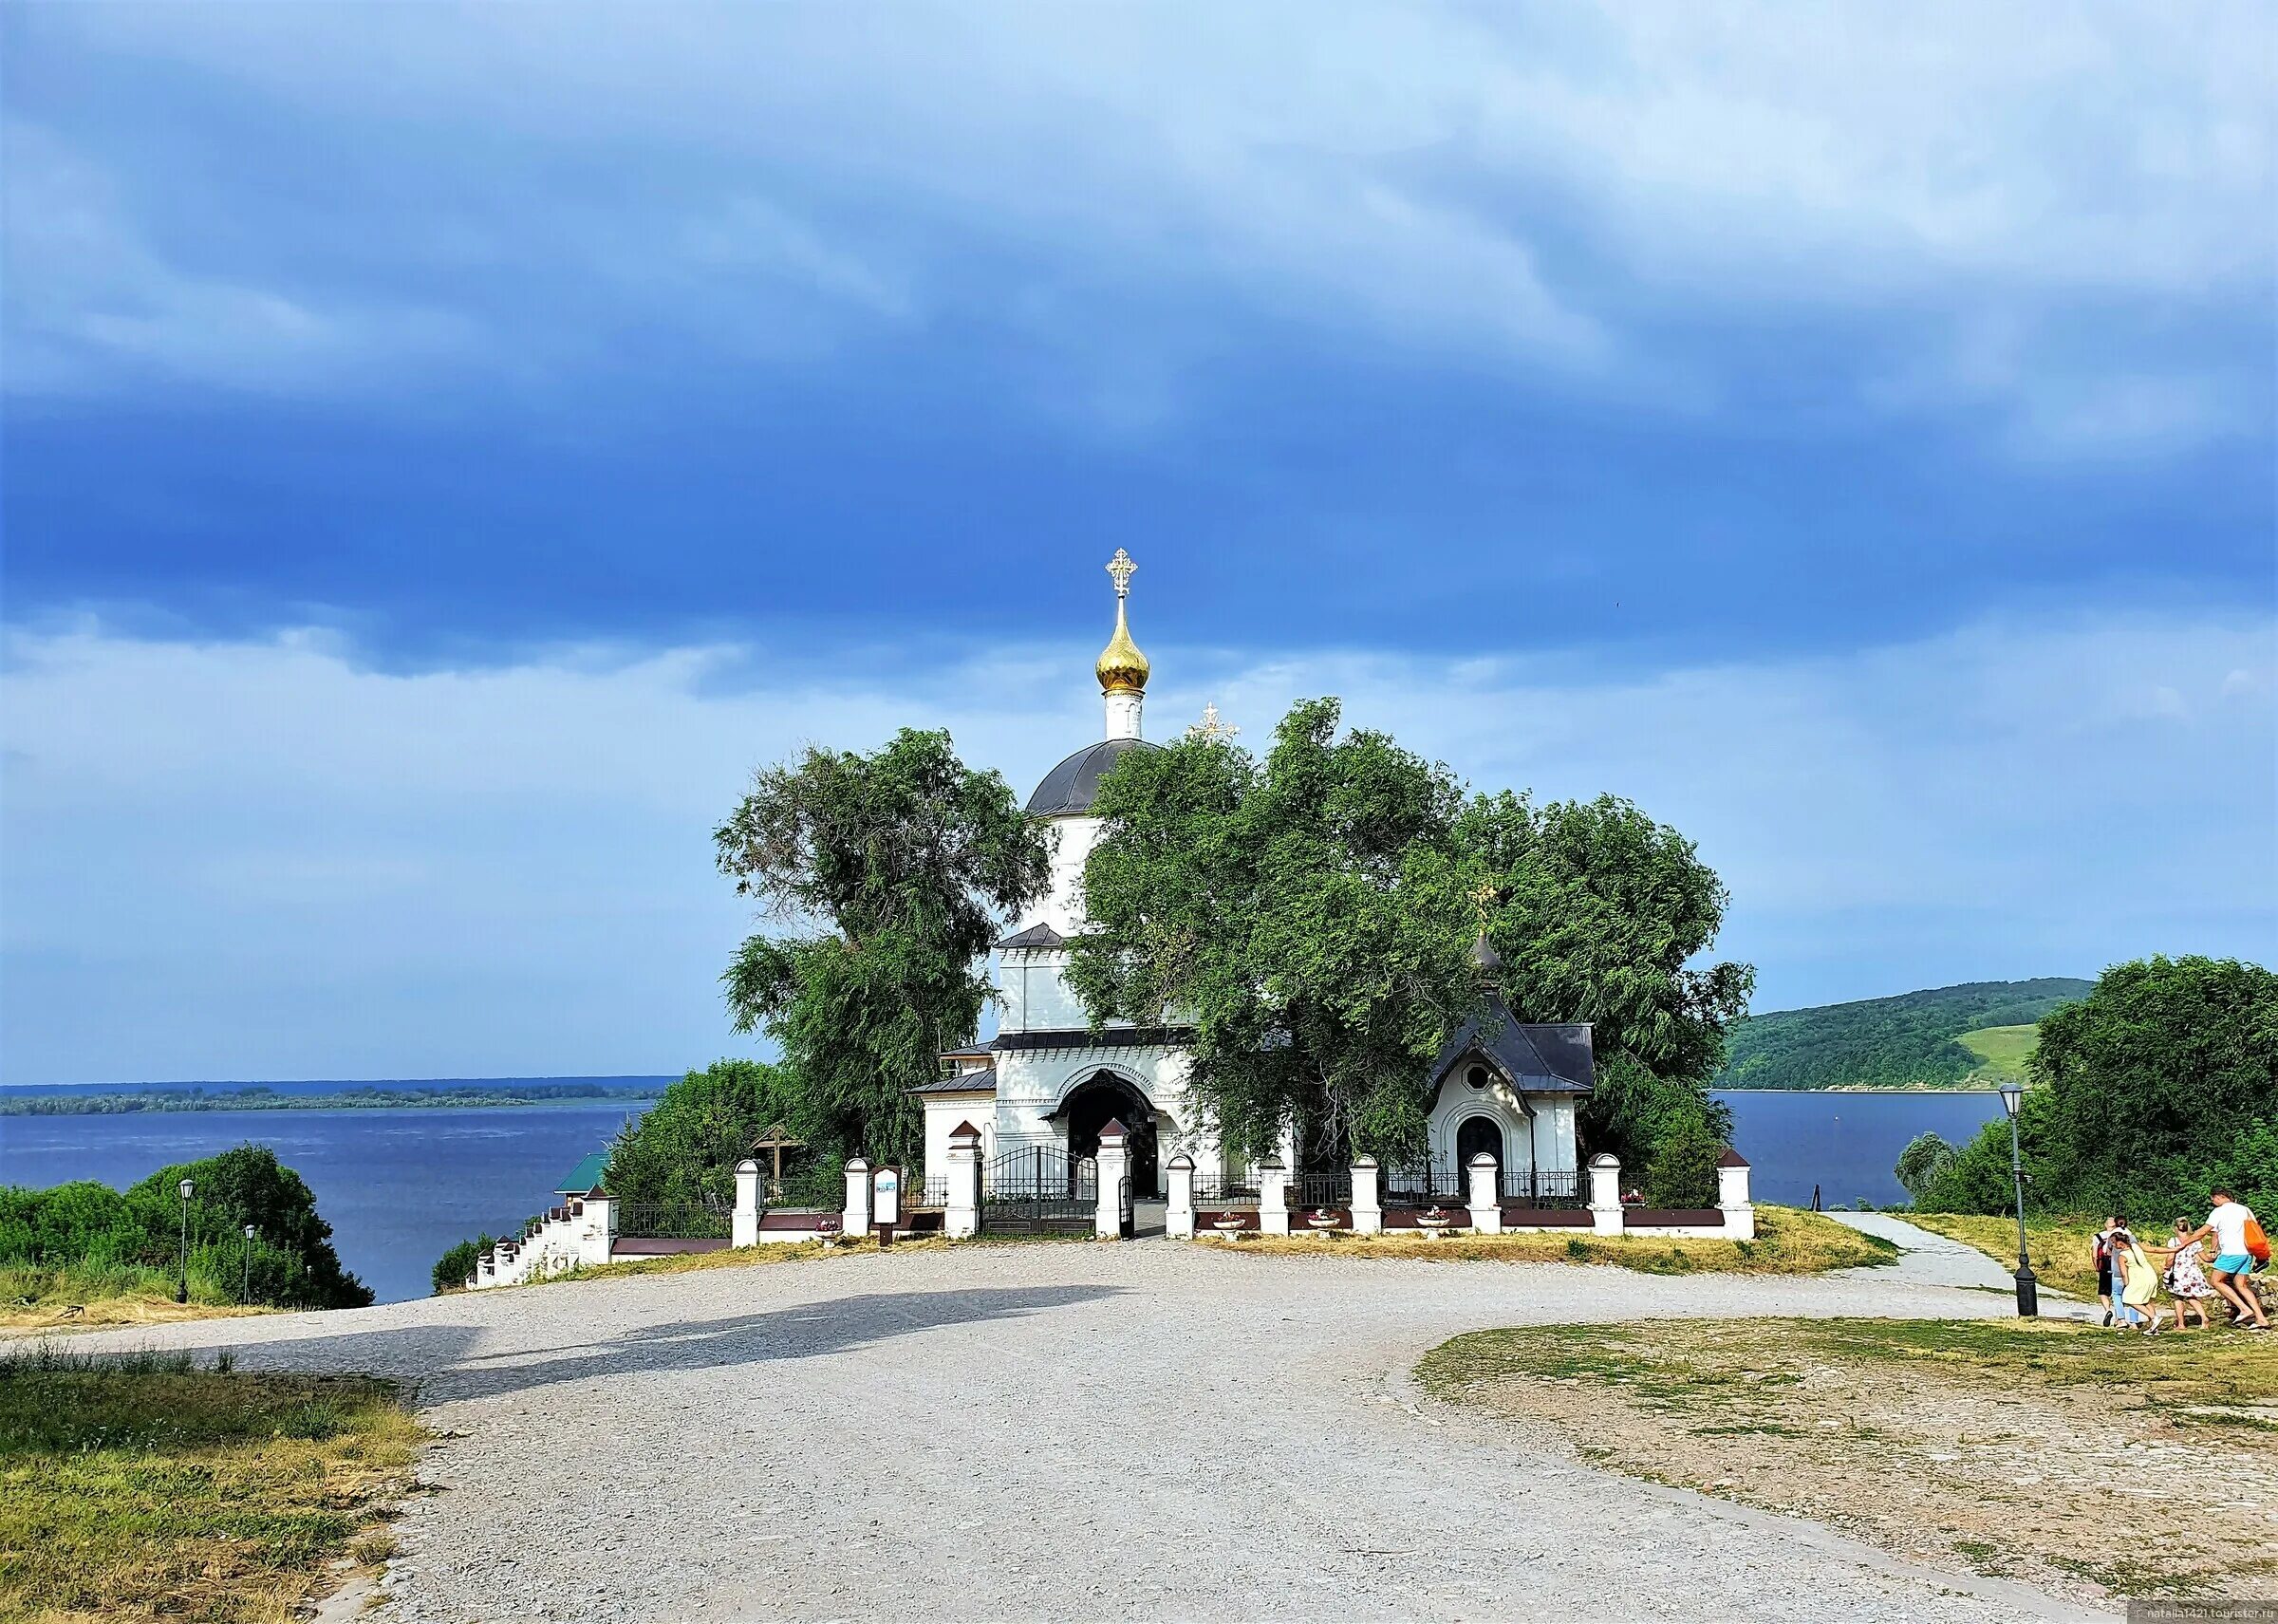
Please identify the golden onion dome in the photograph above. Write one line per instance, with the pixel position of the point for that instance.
(1122, 669)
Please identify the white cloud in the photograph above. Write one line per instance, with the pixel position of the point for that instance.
(90, 304)
(1535, 190)
(267, 860)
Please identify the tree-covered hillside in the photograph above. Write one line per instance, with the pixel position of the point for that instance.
(1890, 1043)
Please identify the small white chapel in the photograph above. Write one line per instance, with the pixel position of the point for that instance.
(1048, 1082)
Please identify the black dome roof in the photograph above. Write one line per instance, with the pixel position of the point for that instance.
(1073, 785)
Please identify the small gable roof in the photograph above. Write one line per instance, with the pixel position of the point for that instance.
(1538, 1058)
(587, 1175)
(981, 1080)
(1039, 935)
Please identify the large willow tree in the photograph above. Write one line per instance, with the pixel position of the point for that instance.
(889, 875)
(1312, 914)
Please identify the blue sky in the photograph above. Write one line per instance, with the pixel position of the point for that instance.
(446, 451)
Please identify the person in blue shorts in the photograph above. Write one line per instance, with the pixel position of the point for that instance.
(2233, 1262)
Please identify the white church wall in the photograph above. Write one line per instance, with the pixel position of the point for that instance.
(942, 1114)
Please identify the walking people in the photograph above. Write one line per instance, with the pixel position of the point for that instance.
(2238, 1237)
(2185, 1276)
(2135, 1285)
(2100, 1253)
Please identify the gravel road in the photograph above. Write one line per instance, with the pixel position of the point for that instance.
(1061, 1431)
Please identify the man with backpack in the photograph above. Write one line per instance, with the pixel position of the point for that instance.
(2240, 1248)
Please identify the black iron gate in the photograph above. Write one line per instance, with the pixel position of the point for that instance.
(1038, 1191)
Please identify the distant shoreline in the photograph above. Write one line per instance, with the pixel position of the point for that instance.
(175, 1101)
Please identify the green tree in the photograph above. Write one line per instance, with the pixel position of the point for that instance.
(1923, 1159)
(292, 1261)
(908, 862)
(1311, 915)
(2158, 1084)
(1680, 1169)
(1308, 915)
(1602, 916)
(457, 1266)
(684, 1147)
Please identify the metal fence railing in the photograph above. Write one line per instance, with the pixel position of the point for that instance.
(1534, 1186)
(1220, 1190)
(1426, 1184)
(675, 1220)
(1309, 1190)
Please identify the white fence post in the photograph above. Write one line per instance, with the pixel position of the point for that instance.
(1273, 1197)
(744, 1229)
(599, 1240)
(1368, 1207)
(1605, 1195)
(856, 1218)
(1486, 1200)
(1178, 1218)
(1114, 1166)
(961, 1217)
(1732, 1196)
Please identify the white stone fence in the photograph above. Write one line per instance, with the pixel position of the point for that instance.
(578, 1234)
(1482, 1212)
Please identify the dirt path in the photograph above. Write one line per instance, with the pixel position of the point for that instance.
(1148, 1430)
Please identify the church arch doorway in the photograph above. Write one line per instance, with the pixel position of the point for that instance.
(1477, 1133)
(1106, 1096)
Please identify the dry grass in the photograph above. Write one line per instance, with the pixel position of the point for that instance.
(51, 1319)
(2059, 1246)
(1788, 1243)
(2077, 1459)
(145, 1487)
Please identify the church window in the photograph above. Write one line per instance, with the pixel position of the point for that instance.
(1476, 1076)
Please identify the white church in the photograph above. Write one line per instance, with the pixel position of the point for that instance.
(1048, 1083)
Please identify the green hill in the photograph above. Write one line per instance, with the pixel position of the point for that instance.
(2002, 1050)
(1913, 1040)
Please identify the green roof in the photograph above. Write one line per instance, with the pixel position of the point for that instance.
(585, 1176)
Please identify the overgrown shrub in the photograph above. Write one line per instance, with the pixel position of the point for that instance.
(87, 1239)
(2160, 1084)
(685, 1148)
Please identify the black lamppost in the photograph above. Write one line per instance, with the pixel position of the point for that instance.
(245, 1293)
(181, 1293)
(2029, 1288)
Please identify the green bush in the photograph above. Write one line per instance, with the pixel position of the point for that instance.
(685, 1148)
(457, 1266)
(1680, 1171)
(2160, 1084)
(1925, 1156)
(90, 1241)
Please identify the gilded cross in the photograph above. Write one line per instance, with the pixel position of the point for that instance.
(1483, 898)
(1121, 568)
(1210, 727)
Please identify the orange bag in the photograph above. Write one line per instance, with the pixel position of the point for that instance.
(2258, 1244)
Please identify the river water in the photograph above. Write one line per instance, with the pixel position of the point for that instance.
(400, 1186)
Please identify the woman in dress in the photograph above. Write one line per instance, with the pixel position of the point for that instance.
(2135, 1285)
(2185, 1276)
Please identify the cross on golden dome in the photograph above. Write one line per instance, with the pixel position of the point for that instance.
(1122, 669)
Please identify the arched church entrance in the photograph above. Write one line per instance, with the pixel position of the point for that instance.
(1104, 1097)
(1478, 1133)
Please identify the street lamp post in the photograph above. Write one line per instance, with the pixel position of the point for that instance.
(245, 1293)
(181, 1293)
(2029, 1288)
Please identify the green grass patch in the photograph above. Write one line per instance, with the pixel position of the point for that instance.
(2061, 1247)
(1789, 1241)
(2002, 1050)
(146, 1485)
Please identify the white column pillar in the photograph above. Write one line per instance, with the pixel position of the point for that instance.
(1605, 1195)
(598, 1242)
(1114, 1166)
(1368, 1206)
(1732, 1198)
(1178, 1220)
(961, 1217)
(1485, 1198)
(744, 1228)
(1273, 1196)
(856, 1218)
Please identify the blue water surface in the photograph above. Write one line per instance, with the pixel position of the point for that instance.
(400, 1186)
